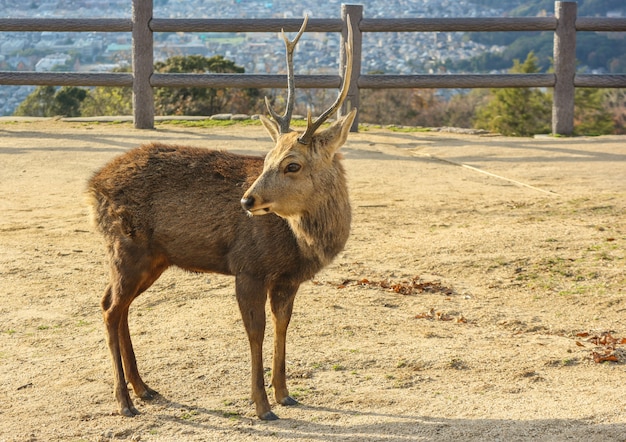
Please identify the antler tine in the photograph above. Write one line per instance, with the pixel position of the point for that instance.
(312, 126)
(285, 120)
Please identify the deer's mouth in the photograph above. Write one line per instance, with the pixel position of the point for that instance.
(253, 208)
(258, 211)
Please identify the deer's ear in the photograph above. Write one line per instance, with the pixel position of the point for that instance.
(271, 126)
(336, 135)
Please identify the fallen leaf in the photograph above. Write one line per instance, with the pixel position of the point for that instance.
(423, 316)
(607, 357)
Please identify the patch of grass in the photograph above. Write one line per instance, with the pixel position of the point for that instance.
(570, 276)
(189, 415)
(407, 129)
(567, 362)
(435, 227)
(575, 290)
(500, 261)
(231, 414)
(299, 392)
(403, 383)
(206, 123)
(602, 209)
(604, 256)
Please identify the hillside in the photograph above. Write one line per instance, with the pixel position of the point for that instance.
(536, 7)
(596, 52)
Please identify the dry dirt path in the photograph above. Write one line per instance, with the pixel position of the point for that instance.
(502, 281)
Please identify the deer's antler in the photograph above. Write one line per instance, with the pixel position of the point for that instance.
(312, 126)
(285, 120)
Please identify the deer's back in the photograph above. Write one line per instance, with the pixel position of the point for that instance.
(183, 204)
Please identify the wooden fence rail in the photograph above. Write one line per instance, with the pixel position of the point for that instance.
(565, 24)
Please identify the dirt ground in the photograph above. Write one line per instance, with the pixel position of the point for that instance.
(466, 306)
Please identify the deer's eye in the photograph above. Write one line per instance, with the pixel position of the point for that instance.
(292, 168)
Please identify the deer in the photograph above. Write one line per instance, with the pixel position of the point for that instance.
(272, 223)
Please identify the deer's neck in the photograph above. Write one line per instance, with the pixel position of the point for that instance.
(322, 231)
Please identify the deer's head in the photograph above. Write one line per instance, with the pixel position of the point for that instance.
(302, 165)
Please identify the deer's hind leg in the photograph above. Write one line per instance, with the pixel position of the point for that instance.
(132, 272)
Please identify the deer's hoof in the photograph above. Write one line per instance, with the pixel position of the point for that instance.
(288, 400)
(268, 416)
(129, 411)
(148, 394)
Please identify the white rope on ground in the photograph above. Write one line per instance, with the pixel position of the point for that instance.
(476, 169)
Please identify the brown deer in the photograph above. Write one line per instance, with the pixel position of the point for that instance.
(166, 205)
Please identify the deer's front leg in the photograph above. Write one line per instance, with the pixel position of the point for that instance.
(251, 296)
(281, 301)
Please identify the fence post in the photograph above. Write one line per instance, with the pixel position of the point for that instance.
(564, 67)
(352, 99)
(143, 62)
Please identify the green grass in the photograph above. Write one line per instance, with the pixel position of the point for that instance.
(404, 129)
(206, 123)
(189, 415)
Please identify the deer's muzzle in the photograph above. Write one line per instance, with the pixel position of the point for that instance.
(249, 203)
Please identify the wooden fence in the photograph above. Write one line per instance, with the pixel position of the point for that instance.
(565, 24)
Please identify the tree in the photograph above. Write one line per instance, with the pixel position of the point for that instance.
(38, 103)
(201, 101)
(591, 113)
(519, 111)
(412, 107)
(67, 101)
(615, 103)
(50, 101)
(461, 108)
(71, 101)
(106, 100)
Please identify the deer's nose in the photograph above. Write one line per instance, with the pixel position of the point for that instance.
(247, 202)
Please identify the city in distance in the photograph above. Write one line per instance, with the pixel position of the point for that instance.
(389, 53)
